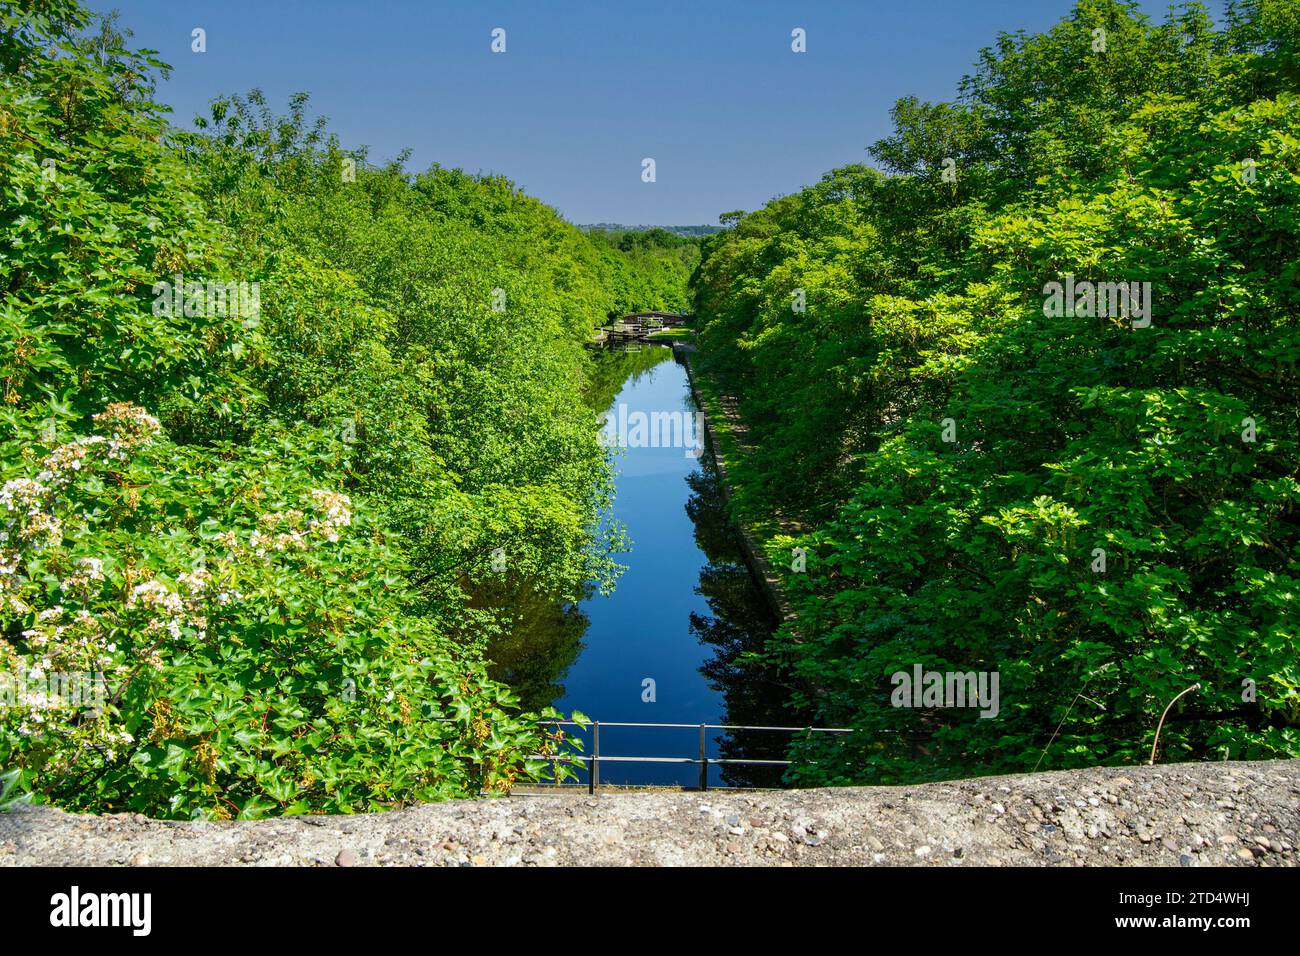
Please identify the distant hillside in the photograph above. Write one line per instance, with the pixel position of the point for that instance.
(675, 230)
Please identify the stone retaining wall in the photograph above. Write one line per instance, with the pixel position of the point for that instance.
(1210, 814)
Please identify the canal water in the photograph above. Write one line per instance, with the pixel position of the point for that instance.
(664, 646)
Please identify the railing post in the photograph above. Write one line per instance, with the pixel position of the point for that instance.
(593, 778)
(704, 762)
(554, 779)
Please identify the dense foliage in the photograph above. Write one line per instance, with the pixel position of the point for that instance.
(286, 434)
(647, 269)
(1103, 510)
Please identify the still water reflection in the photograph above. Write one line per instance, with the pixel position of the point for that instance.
(666, 646)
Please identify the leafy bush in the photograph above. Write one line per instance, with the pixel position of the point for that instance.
(288, 577)
(96, 209)
(955, 459)
(252, 658)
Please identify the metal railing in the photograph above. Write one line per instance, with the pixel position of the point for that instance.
(703, 760)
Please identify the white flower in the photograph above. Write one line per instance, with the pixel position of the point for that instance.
(43, 530)
(338, 513)
(128, 424)
(93, 568)
(89, 571)
(22, 493)
(155, 594)
(195, 582)
(65, 458)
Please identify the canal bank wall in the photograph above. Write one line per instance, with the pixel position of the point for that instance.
(1178, 815)
(755, 556)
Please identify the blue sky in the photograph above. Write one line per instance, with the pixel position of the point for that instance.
(585, 90)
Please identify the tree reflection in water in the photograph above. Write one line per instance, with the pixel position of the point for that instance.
(537, 649)
(741, 621)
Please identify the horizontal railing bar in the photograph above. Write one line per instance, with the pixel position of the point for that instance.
(614, 723)
(632, 787)
(591, 761)
(611, 723)
(587, 758)
(815, 730)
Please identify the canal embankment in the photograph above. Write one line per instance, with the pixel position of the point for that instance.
(720, 423)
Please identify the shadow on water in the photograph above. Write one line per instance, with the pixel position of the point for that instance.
(539, 646)
(739, 623)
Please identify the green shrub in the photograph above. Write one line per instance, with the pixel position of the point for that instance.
(253, 659)
(954, 459)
